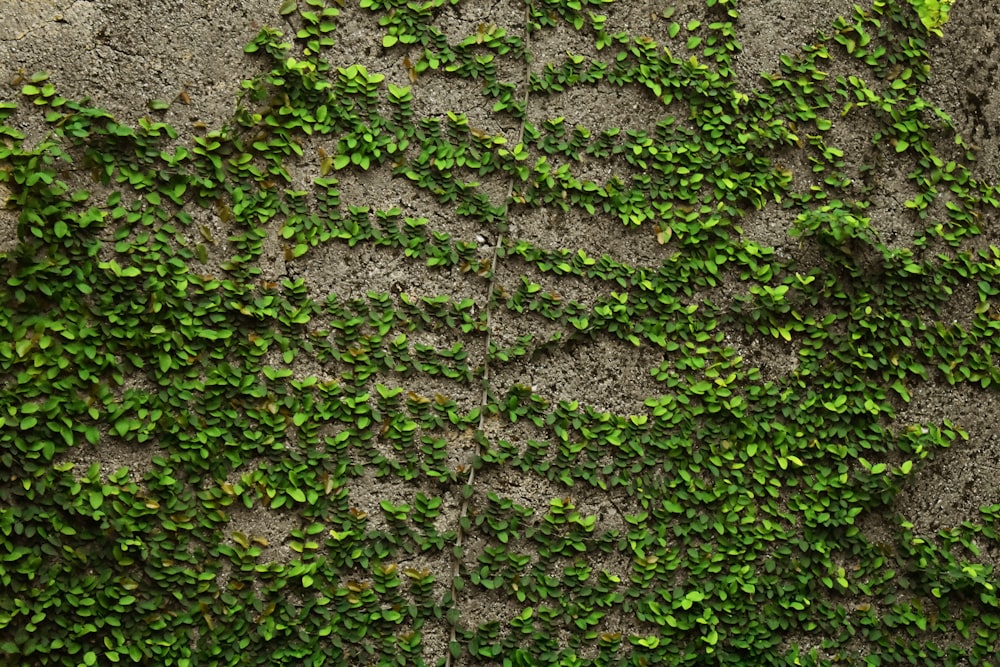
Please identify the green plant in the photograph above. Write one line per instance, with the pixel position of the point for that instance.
(933, 13)
(723, 520)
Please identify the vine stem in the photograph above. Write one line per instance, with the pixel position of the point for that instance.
(456, 561)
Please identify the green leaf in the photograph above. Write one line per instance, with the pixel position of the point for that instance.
(389, 40)
(398, 92)
(901, 390)
(287, 7)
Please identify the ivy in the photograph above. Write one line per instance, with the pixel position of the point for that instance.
(368, 434)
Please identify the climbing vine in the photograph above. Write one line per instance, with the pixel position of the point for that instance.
(721, 523)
